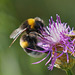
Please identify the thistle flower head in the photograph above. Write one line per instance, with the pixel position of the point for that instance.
(58, 44)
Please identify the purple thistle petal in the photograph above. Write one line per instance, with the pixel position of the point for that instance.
(54, 24)
(49, 59)
(42, 59)
(49, 21)
(73, 42)
(38, 50)
(67, 58)
(52, 19)
(59, 20)
(53, 61)
(55, 39)
(60, 55)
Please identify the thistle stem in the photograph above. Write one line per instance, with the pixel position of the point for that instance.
(69, 72)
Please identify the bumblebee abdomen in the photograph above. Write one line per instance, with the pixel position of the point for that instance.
(24, 44)
(34, 53)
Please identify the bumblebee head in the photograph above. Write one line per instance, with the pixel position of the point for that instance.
(36, 22)
(33, 24)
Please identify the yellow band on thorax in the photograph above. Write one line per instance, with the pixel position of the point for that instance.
(31, 22)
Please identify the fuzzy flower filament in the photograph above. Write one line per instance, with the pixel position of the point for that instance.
(58, 44)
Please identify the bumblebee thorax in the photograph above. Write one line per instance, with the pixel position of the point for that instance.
(31, 22)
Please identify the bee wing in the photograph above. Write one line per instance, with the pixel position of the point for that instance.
(38, 19)
(15, 34)
(35, 54)
(73, 31)
(70, 35)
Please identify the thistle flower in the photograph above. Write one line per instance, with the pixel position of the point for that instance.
(58, 44)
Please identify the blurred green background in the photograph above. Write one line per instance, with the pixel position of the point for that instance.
(14, 61)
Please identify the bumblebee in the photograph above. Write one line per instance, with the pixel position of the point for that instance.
(32, 24)
(29, 41)
(72, 36)
(31, 27)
